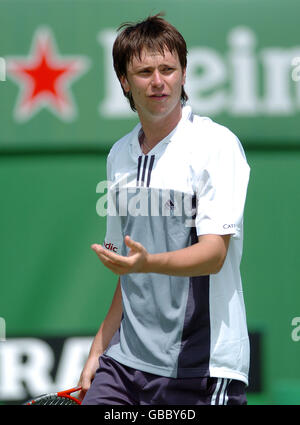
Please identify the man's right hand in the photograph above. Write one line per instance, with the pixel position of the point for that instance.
(87, 375)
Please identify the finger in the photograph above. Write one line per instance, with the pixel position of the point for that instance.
(115, 268)
(97, 248)
(116, 263)
(113, 265)
(102, 253)
(85, 385)
(82, 394)
(130, 243)
(111, 258)
(100, 250)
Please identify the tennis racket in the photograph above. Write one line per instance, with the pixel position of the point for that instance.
(59, 398)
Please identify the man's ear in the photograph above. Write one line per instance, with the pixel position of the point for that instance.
(124, 83)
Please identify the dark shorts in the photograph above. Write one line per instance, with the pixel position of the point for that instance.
(116, 384)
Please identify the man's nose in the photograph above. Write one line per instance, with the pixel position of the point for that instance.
(157, 80)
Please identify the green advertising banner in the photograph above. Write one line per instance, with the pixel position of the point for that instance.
(58, 89)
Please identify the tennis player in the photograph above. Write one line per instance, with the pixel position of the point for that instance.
(176, 330)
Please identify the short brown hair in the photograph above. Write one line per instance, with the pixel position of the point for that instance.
(154, 34)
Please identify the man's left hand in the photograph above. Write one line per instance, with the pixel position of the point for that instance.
(134, 263)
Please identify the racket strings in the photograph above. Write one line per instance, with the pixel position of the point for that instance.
(54, 400)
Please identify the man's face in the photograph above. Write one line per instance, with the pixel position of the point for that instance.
(155, 82)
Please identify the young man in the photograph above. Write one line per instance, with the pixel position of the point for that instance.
(176, 330)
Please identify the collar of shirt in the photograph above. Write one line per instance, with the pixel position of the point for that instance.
(135, 144)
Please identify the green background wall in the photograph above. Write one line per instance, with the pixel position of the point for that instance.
(51, 282)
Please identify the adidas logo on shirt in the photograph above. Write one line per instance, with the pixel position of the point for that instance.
(145, 166)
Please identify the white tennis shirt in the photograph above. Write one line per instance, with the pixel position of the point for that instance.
(192, 183)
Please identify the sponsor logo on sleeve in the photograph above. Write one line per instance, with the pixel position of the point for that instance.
(110, 246)
(229, 226)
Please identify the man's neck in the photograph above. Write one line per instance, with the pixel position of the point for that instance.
(155, 130)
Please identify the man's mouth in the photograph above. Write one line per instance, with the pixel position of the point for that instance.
(158, 96)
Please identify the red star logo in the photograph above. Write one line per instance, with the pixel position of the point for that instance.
(45, 78)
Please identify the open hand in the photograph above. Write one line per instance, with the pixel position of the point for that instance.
(135, 262)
